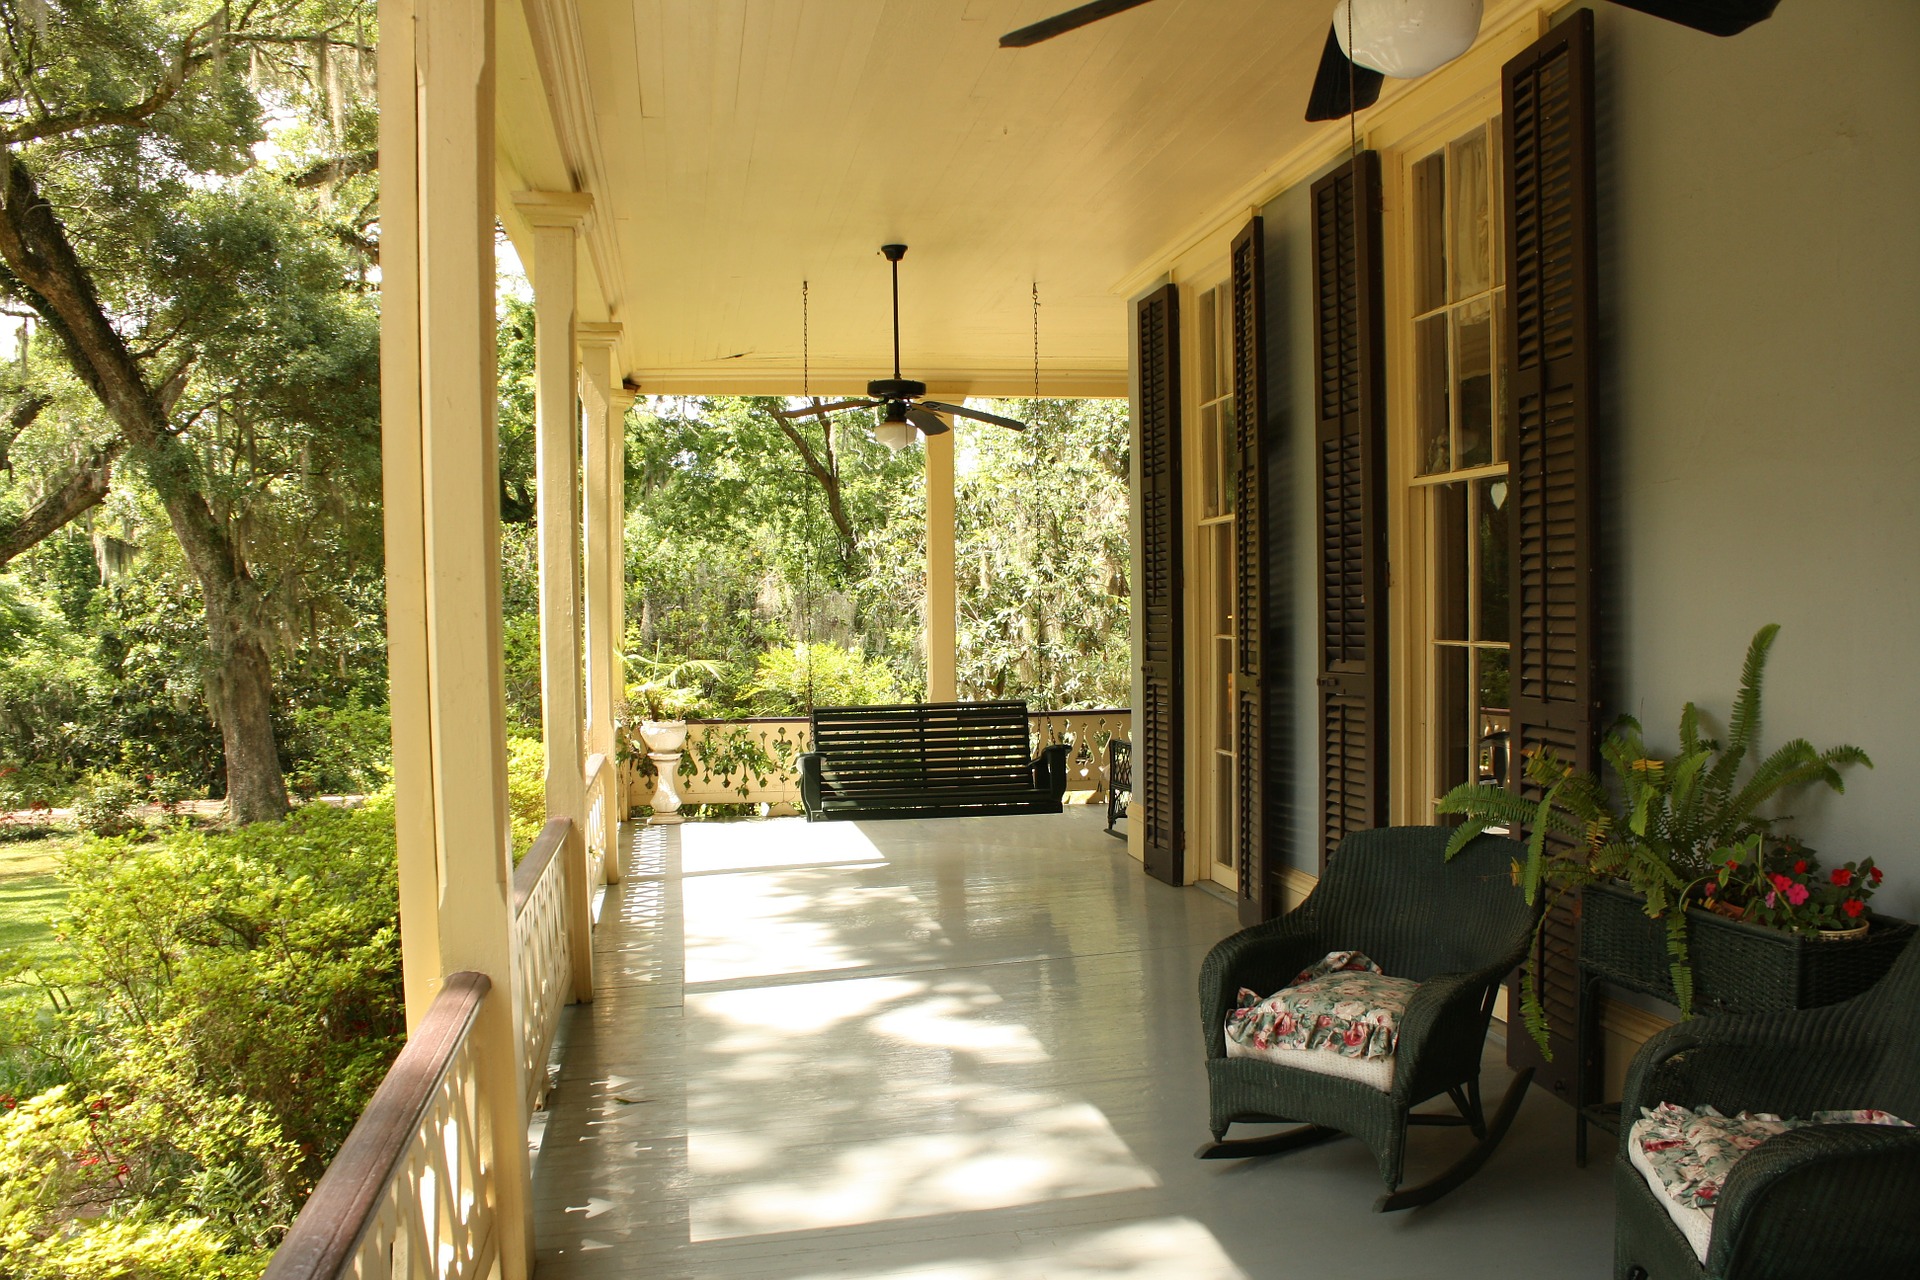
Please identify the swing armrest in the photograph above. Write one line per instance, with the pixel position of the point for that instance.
(1050, 770)
(809, 763)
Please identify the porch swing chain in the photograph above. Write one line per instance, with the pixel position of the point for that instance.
(1034, 500)
(806, 581)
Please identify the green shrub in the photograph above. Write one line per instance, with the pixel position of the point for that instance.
(839, 676)
(526, 791)
(104, 805)
(225, 1004)
(345, 750)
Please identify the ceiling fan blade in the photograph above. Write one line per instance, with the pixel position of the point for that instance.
(1329, 99)
(1061, 23)
(929, 422)
(814, 410)
(976, 414)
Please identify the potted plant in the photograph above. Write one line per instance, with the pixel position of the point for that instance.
(659, 702)
(1664, 836)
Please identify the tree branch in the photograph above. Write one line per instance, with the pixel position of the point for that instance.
(81, 491)
(25, 410)
(825, 473)
(337, 168)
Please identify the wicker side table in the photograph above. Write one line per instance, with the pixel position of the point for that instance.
(1737, 968)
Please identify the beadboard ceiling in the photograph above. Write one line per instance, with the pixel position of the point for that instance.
(736, 147)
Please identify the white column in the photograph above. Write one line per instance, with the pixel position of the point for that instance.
(556, 218)
(597, 347)
(442, 512)
(620, 398)
(942, 603)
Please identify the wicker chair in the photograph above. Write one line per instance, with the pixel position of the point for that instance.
(1457, 928)
(1827, 1200)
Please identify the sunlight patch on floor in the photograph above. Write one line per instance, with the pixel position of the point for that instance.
(1162, 1249)
(783, 842)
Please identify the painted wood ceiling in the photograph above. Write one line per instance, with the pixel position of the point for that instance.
(737, 147)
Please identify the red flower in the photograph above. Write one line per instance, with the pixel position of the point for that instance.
(1712, 888)
(1842, 876)
(1780, 882)
(1800, 867)
(1877, 873)
(1853, 907)
(1354, 1036)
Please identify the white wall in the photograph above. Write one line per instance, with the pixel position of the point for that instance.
(1761, 310)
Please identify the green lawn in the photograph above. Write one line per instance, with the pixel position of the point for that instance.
(31, 890)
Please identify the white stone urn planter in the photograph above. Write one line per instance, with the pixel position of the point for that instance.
(664, 739)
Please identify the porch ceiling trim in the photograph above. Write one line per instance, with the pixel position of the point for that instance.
(560, 56)
(1507, 27)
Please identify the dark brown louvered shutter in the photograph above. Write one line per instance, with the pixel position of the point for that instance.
(1161, 749)
(1550, 355)
(1350, 444)
(1247, 284)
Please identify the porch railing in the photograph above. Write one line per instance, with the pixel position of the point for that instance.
(602, 782)
(542, 951)
(409, 1194)
(751, 761)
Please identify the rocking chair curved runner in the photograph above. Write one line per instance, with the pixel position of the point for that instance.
(1456, 928)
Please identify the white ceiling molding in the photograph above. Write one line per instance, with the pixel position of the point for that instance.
(559, 52)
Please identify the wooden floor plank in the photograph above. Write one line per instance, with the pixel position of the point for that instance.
(961, 1049)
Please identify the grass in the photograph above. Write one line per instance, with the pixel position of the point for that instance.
(31, 890)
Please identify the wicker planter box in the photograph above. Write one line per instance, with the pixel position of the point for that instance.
(1737, 967)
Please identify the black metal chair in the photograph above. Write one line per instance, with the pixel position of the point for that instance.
(1119, 778)
(1837, 1201)
(1456, 927)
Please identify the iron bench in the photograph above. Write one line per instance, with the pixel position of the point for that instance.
(928, 760)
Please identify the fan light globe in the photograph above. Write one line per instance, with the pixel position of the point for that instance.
(1406, 38)
(895, 435)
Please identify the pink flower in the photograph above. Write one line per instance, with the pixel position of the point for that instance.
(1796, 894)
(1770, 897)
(1285, 1025)
(1354, 1036)
(1322, 1021)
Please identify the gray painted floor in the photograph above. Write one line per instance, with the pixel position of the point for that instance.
(963, 1049)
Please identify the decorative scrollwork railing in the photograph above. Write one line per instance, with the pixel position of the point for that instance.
(600, 819)
(751, 761)
(410, 1193)
(542, 951)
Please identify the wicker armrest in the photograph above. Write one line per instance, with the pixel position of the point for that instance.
(1264, 958)
(1857, 1183)
(1443, 1006)
(1806, 1060)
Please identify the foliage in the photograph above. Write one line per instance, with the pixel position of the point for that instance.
(1782, 884)
(669, 689)
(60, 1165)
(526, 791)
(791, 679)
(104, 805)
(223, 1006)
(1665, 827)
(339, 750)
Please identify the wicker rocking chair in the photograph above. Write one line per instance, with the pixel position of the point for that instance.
(1823, 1201)
(1457, 928)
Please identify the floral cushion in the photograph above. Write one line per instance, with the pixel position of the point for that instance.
(1685, 1154)
(1342, 1004)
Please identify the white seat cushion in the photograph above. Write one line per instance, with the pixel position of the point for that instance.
(1339, 1017)
(1685, 1154)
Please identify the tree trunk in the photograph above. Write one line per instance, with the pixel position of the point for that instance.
(35, 247)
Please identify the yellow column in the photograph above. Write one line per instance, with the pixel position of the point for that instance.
(942, 602)
(597, 346)
(441, 480)
(620, 399)
(556, 218)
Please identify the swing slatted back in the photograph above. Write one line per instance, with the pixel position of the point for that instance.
(929, 758)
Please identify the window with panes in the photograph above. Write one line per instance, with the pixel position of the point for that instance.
(1460, 423)
(1213, 325)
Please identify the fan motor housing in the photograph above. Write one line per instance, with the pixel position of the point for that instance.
(896, 389)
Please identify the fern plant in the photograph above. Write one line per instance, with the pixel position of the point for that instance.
(1662, 825)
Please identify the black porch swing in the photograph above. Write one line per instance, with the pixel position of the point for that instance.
(919, 759)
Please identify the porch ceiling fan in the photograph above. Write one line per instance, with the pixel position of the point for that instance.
(901, 401)
(1403, 38)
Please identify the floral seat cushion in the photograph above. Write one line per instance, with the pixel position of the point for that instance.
(1339, 1016)
(1685, 1154)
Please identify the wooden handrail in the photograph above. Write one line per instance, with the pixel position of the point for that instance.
(552, 838)
(329, 1229)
